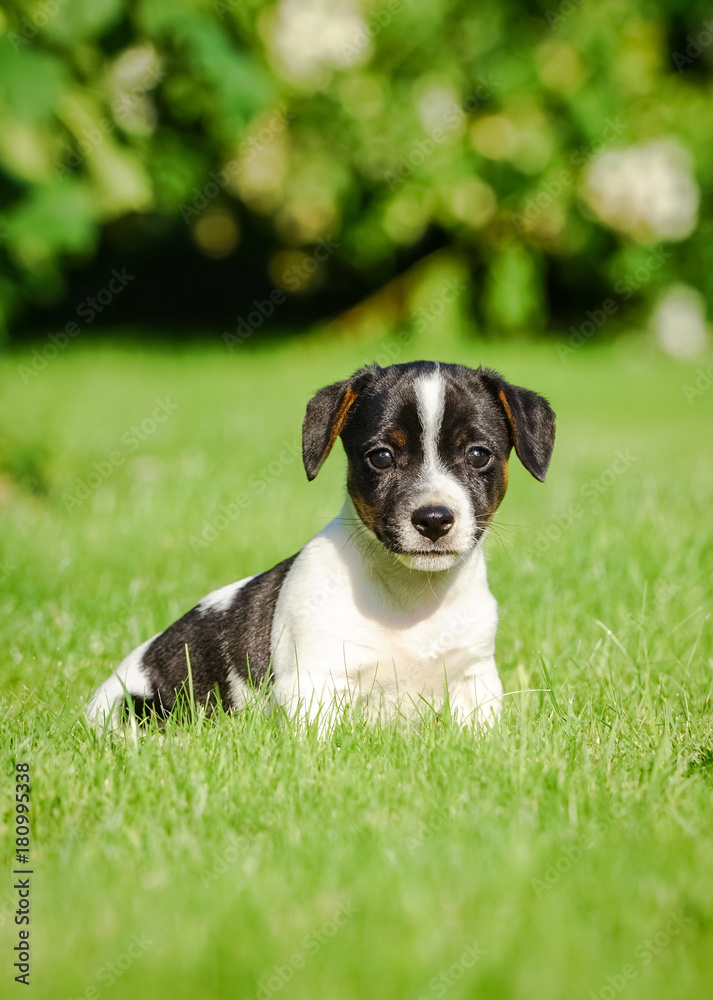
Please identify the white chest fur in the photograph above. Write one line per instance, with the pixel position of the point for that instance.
(352, 624)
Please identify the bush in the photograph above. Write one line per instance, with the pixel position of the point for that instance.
(554, 148)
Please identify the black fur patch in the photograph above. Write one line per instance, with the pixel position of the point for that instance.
(386, 412)
(531, 420)
(219, 641)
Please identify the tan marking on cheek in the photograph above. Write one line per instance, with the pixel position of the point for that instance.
(365, 512)
(503, 486)
(485, 519)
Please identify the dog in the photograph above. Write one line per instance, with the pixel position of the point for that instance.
(387, 608)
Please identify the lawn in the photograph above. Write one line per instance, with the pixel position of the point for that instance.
(567, 854)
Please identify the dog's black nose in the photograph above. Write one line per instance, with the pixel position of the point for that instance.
(433, 522)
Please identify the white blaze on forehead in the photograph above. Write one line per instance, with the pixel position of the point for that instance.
(430, 403)
(436, 484)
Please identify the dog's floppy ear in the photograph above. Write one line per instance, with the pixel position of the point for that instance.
(326, 416)
(532, 423)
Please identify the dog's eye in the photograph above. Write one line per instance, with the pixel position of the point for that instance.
(380, 458)
(478, 457)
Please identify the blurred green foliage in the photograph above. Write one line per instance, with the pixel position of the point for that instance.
(555, 144)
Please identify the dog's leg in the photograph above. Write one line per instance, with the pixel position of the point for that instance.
(311, 701)
(478, 697)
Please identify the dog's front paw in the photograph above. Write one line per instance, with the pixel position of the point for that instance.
(478, 699)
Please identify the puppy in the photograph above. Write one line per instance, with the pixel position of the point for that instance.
(388, 607)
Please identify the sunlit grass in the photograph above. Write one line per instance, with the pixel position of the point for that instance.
(251, 858)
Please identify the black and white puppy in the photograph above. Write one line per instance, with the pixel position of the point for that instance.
(389, 605)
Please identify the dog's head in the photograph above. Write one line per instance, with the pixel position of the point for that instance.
(428, 447)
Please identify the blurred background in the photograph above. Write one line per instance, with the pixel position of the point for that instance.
(209, 209)
(236, 168)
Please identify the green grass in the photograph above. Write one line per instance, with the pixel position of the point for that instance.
(557, 846)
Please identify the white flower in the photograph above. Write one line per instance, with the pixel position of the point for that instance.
(131, 78)
(646, 191)
(310, 36)
(438, 108)
(679, 322)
